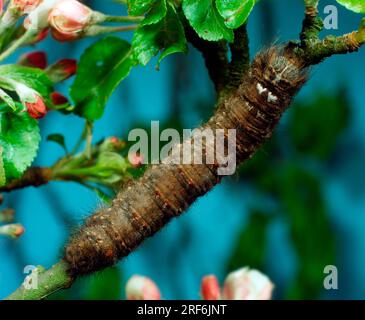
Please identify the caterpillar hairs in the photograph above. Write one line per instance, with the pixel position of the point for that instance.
(145, 205)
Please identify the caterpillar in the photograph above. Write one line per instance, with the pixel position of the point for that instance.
(145, 205)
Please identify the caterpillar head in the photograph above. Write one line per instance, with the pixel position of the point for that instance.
(279, 70)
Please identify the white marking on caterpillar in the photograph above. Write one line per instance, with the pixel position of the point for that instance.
(272, 98)
(249, 106)
(260, 88)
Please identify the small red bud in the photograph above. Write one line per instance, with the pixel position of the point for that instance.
(62, 70)
(68, 67)
(37, 59)
(18, 231)
(37, 109)
(136, 159)
(58, 99)
(210, 288)
(114, 140)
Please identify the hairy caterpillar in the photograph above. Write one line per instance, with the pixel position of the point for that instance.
(166, 190)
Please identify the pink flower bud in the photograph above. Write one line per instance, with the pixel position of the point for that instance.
(62, 70)
(1, 6)
(12, 230)
(210, 288)
(58, 99)
(246, 284)
(136, 159)
(114, 140)
(68, 19)
(37, 109)
(21, 7)
(117, 143)
(142, 288)
(37, 59)
(30, 99)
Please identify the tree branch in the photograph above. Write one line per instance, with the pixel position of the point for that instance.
(45, 283)
(312, 24)
(240, 61)
(33, 177)
(215, 55)
(319, 50)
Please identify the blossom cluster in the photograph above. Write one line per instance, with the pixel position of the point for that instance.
(66, 20)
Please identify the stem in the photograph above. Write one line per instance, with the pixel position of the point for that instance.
(240, 61)
(7, 24)
(89, 138)
(108, 18)
(99, 30)
(29, 34)
(7, 21)
(317, 51)
(80, 140)
(35, 177)
(312, 24)
(215, 55)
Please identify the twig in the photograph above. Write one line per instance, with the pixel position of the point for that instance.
(240, 61)
(312, 24)
(215, 55)
(34, 177)
(317, 51)
(47, 282)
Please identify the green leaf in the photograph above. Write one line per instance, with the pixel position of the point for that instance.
(353, 5)
(2, 170)
(59, 139)
(235, 12)
(31, 77)
(111, 162)
(7, 99)
(110, 62)
(19, 138)
(205, 19)
(155, 10)
(166, 36)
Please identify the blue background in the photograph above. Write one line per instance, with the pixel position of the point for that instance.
(200, 242)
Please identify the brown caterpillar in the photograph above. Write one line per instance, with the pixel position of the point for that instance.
(145, 205)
